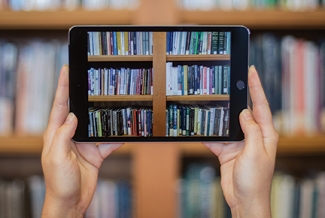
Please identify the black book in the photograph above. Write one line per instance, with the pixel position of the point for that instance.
(214, 42)
(104, 43)
(221, 43)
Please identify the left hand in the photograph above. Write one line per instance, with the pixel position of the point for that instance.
(70, 169)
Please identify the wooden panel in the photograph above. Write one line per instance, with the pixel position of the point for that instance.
(62, 19)
(123, 98)
(22, 145)
(198, 98)
(156, 12)
(155, 173)
(159, 84)
(259, 19)
(115, 58)
(198, 57)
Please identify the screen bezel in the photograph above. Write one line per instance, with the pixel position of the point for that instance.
(78, 83)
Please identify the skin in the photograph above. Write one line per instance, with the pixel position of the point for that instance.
(71, 169)
(247, 167)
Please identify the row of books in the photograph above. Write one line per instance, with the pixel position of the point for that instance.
(298, 197)
(112, 199)
(42, 5)
(120, 43)
(197, 80)
(104, 122)
(21, 198)
(200, 193)
(294, 5)
(192, 43)
(124, 81)
(24, 198)
(292, 71)
(27, 90)
(194, 120)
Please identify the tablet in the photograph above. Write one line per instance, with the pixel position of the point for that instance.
(158, 83)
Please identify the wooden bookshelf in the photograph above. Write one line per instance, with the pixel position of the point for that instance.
(198, 98)
(119, 58)
(33, 145)
(62, 19)
(313, 145)
(122, 98)
(198, 57)
(258, 19)
(155, 166)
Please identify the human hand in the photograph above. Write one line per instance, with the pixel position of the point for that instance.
(70, 169)
(247, 167)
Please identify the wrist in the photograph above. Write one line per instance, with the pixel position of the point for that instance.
(54, 208)
(252, 209)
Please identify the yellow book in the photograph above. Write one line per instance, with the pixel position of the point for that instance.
(119, 46)
(126, 43)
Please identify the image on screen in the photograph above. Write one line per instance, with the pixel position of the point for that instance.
(147, 84)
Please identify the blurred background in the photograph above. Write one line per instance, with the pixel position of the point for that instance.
(165, 180)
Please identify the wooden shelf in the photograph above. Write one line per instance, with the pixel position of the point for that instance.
(288, 146)
(110, 98)
(198, 98)
(198, 57)
(11, 145)
(257, 19)
(22, 145)
(62, 19)
(119, 58)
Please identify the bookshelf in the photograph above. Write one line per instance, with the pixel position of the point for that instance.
(147, 159)
(293, 146)
(63, 19)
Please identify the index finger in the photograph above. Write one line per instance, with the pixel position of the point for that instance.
(60, 108)
(261, 110)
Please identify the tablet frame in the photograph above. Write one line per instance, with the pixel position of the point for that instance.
(78, 83)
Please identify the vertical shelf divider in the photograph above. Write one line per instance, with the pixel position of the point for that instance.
(159, 83)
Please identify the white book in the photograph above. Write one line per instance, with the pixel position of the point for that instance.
(183, 44)
(311, 88)
(174, 81)
(70, 4)
(199, 121)
(168, 78)
(150, 43)
(212, 118)
(306, 198)
(240, 4)
(222, 113)
(225, 5)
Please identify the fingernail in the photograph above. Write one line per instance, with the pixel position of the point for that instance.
(253, 67)
(246, 114)
(70, 118)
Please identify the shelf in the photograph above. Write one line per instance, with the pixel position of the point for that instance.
(255, 19)
(258, 19)
(110, 98)
(198, 57)
(62, 19)
(11, 145)
(118, 58)
(22, 145)
(198, 98)
(287, 146)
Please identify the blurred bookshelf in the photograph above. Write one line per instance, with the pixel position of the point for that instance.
(147, 157)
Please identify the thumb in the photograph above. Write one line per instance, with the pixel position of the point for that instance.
(62, 139)
(252, 131)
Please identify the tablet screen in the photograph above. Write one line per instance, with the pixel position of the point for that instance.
(161, 83)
